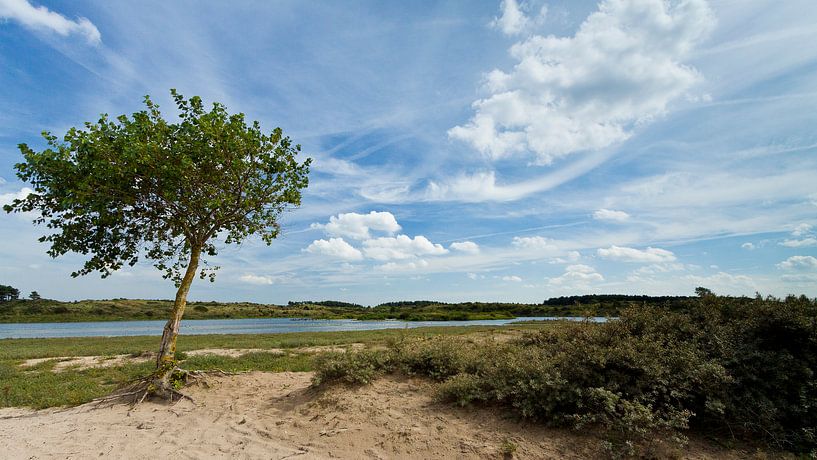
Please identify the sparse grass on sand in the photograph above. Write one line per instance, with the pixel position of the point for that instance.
(39, 386)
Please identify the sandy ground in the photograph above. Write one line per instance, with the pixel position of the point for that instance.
(86, 362)
(277, 416)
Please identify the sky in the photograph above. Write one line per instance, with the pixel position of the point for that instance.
(463, 151)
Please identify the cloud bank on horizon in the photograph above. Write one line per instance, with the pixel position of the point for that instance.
(627, 146)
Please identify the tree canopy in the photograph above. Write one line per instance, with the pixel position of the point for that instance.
(140, 186)
(8, 293)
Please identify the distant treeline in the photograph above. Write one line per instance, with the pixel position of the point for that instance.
(325, 303)
(595, 304)
(45, 310)
(590, 299)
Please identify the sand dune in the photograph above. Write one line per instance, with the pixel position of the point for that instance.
(278, 416)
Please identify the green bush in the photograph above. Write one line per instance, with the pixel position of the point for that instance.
(355, 368)
(730, 366)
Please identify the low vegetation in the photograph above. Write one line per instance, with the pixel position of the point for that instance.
(733, 368)
(39, 387)
(44, 310)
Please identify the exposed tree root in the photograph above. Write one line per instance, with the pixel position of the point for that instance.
(162, 385)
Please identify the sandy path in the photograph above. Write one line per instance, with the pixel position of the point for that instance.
(276, 416)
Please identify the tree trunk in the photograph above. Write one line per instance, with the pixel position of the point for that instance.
(166, 359)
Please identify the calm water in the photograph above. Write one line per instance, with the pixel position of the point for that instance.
(231, 326)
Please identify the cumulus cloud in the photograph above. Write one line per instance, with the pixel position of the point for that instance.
(625, 254)
(611, 215)
(749, 246)
(358, 226)
(41, 18)
(335, 247)
(468, 247)
(798, 263)
(401, 247)
(623, 67)
(514, 21)
(512, 278)
(8, 198)
(578, 274)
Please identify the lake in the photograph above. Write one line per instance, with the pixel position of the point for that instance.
(233, 326)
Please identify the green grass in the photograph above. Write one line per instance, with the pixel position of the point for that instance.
(38, 387)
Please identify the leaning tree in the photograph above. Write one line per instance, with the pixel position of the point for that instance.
(140, 186)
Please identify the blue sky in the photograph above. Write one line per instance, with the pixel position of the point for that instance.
(512, 150)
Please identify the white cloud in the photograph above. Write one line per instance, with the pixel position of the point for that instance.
(474, 276)
(798, 263)
(357, 226)
(801, 243)
(399, 267)
(514, 21)
(483, 186)
(41, 18)
(611, 215)
(801, 229)
(624, 254)
(335, 247)
(806, 278)
(623, 67)
(468, 247)
(577, 275)
(536, 243)
(571, 256)
(749, 246)
(512, 278)
(255, 279)
(400, 247)
(8, 198)
(722, 282)
(654, 269)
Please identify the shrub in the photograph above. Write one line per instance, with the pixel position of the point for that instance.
(353, 368)
(731, 366)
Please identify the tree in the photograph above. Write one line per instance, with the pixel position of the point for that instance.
(34, 295)
(8, 293)
(140, 186)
